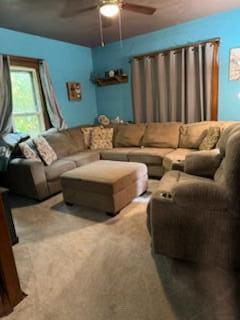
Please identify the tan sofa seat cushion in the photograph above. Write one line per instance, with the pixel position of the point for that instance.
(83, 158)
(105, 177)
(61, 142)
(129, 135)
(117, 154)
(172, 178)
(175, 156)
(149, 155)
(162, 135)
(55, 170)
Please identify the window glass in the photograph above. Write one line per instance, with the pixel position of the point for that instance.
(27, 105)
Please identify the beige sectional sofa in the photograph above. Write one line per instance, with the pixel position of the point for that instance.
(194, 215)
(161, 146)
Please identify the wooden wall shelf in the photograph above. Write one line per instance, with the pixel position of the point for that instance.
(111, 80)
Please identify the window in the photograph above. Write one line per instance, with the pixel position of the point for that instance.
(28, 116)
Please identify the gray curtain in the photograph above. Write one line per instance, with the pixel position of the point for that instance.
(5, 96)
(174, 85)
(53, 108)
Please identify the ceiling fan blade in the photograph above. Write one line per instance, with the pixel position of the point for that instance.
(138, 8)
(73, 12)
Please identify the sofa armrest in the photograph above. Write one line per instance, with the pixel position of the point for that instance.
(27, 177)
(203, 163)
(200, 195)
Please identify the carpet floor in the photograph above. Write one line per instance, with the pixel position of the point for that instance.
(75, 263)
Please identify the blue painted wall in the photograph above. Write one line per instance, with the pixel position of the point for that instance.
(116, 100)
(67, 62)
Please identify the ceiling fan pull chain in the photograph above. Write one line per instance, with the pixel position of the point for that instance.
(120, 27)
(101, 28)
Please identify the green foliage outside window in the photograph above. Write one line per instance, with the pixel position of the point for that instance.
(24, 102)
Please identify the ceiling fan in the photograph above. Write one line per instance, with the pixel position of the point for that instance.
(107, 8)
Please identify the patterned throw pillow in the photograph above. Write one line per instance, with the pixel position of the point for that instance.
(45, 151)
(87, 132)
(102, 138)
(211, 139)
(28, 152)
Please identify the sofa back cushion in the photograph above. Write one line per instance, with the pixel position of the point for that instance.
(129, 135)
(162, 135)
(228, 173)
(61, 142)
(227, 132)
(192, 134)
(77, 136)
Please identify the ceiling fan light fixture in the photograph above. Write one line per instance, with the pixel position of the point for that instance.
(109, 9)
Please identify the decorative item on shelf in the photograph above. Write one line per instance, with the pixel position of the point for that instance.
(111, 77)
(234, 68)
(103, 120)
(118, 72)
(109, 74)
(117, 120)
(74, 91)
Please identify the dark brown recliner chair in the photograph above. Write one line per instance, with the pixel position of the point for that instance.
(197, 218)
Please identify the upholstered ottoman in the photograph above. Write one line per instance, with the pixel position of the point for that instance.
(105, 185)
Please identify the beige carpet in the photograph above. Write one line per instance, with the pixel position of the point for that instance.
(78, 264)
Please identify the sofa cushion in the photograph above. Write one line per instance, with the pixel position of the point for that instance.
(84, 157)
(77, 136)
(102, 138)
(175, 157)
(117, 154)
(61, 142)
(57, 168)
(203, 163)
(170, 180)
(46, 152)
(191, 135)
(162, 135)
(129, 135)
(87, 136)
(149, 155)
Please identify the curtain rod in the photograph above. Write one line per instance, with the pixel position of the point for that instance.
(24, 58)
(193, 44)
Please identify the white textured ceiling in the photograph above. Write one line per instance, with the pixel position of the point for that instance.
(46, 18)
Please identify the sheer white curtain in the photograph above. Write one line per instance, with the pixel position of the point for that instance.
(174, 85)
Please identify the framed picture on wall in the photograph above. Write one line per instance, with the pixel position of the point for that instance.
(74, 91)
(234, 66)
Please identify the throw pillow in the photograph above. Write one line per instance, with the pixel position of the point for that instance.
(102, 138)
(45, 151)
(87, 136)
(28, 152)
(211, 139)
